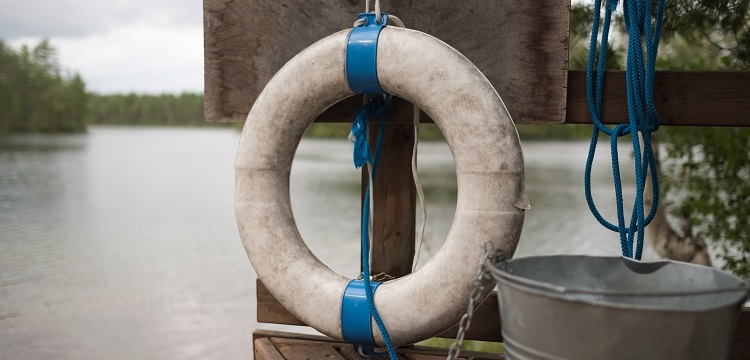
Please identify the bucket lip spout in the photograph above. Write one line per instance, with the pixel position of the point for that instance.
(500, 271)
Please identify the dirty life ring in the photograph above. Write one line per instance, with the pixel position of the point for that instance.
(489, 169)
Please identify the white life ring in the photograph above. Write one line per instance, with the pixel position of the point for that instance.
(489, 170)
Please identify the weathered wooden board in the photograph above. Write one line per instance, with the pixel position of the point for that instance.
(685, 98)
(395, 202)
(265, 349)
(701, 98)
(521, 46)
(283, 345)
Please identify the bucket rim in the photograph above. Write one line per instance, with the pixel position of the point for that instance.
(498, 272)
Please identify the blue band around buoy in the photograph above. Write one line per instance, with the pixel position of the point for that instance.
(362, 53)
(355, 317)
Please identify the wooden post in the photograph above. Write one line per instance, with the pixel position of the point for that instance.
(394, 201)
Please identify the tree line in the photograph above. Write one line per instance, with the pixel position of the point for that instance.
(134, 109)
(37, 95)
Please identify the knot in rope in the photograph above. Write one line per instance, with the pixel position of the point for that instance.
(377, 106)
(642, 115)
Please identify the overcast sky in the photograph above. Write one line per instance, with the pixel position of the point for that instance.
(116, 45)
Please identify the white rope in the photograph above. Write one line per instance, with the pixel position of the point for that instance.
(370, 232)
(378, 15)
(418, 185)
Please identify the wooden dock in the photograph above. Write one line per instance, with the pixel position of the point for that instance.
(246, 42)
(275, 345)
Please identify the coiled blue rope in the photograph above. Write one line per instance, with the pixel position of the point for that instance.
(362, 156)
(642, 115)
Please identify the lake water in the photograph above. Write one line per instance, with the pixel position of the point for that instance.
(122, 244)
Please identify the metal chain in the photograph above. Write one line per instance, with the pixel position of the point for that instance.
(482, 279)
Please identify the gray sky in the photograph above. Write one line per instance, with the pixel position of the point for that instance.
(117, 45)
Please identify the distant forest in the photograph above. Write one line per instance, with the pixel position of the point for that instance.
(37, 95)
(133, 109)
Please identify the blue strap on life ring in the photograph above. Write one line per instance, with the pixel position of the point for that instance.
(356, 324)
(362, 75)
(362, 53)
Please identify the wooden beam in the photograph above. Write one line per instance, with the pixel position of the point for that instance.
(683, 98)
(693, 98)
(395, 202)
(414, 352)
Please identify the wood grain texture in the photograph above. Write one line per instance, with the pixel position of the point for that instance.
(521, 46)
(309, 351)
(697, 98)
(319, 347)
(395, 202)
(264, 349)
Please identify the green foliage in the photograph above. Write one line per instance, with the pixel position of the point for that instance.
(724, 24)
(35, 96)
(707, 183)
(710, 174)
(185, 109)
(581, 16)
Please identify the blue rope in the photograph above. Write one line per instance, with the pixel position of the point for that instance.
(362, 155)
(641, 110)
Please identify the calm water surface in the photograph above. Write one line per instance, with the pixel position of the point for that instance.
(122, 244)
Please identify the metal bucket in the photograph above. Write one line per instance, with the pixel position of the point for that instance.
(585, 307)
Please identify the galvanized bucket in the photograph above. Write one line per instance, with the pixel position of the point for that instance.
(585, 307)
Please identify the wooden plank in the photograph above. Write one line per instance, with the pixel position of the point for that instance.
(308, 351)
(521, 46)
(695, 98)
(265, 350)
(465, 354)
(265, 333)
(269, 310)
(425, 357)
(485, 324)
(279, 338)
(349, 354)
(395, 202)
(741, 344)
